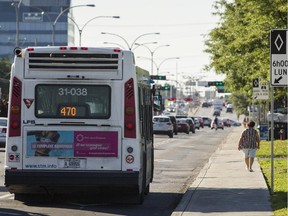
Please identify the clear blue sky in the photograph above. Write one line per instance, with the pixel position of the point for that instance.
(182, 24)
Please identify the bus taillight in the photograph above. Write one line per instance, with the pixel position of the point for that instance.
(129, 110)
(15, 108)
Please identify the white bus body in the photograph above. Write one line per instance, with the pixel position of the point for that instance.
(79, 119)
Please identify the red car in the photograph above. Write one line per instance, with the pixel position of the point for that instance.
(183, 126)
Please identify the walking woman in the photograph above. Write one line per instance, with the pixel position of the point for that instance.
(249, 143)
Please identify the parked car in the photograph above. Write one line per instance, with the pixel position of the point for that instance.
(234, 122)
(207, 121)
(162, 125)
(174, 122)
(3, 130)
(183, 126)
(226, 122)
(191, 124)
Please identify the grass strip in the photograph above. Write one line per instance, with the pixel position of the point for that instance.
(279, 197)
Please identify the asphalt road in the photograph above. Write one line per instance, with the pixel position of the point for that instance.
(178, 161)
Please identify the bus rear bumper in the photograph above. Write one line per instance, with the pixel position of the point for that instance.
(68, 182)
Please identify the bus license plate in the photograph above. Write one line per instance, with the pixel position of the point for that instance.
(72, 163)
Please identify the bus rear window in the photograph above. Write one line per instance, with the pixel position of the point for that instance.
(73, 101)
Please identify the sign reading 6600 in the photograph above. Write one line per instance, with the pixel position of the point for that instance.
(72, 91)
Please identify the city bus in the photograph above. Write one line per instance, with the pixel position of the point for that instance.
(79, 119)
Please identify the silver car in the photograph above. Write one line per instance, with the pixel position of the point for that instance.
(3, 130)
(162, 125)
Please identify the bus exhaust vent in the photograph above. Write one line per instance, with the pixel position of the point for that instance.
(73, 61)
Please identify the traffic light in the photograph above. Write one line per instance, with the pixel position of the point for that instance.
(216, 83)
(166, 88)
(158, 77)
(219, 83)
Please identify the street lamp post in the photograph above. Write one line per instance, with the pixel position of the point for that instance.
(152, 53)
(126, 42)
(60, 14)
(17, 7)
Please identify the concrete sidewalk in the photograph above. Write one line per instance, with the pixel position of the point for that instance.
(225, 187)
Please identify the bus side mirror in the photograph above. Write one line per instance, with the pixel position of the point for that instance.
(18, 51)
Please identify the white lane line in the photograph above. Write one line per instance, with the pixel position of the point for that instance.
(5, 196)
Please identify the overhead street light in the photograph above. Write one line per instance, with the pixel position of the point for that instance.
(117, 44)
(152, 53)
(60, 14)
(126, 42)
(161, 63)
(80, 30)
(144, 44)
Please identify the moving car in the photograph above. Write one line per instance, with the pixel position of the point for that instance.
(206, 121)
(162, 125)
(174, 122)
(171, 109)
(196, 122)
(216, 113)
(183, 126)
(219, 124)
(191, 124)
(3, 130)
(229, 110)
(200, 121)
(205, 104)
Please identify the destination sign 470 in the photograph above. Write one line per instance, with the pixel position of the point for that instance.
(278, 57)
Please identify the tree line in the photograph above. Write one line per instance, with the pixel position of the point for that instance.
(239, 46)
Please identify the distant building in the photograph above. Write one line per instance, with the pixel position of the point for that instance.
(35, 19)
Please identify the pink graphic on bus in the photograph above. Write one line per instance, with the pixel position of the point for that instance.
(95, 143)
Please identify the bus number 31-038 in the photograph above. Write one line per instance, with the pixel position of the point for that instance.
(72, 91)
